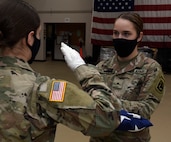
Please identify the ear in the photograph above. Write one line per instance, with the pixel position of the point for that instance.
(30, 38)
(140, 37)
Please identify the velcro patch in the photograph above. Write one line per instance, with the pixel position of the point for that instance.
(57, 91)
(160, 86)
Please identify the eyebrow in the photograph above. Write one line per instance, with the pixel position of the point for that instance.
(127, 31)
(123, 31)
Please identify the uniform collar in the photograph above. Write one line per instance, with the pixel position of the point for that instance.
(112, 65)
(6, 61)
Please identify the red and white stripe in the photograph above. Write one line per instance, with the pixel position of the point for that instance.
(58, 95)
(156, 15)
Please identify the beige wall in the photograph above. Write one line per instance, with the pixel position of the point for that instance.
(61, 5)
(60, 11)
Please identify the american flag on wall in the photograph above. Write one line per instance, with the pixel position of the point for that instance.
(156, 15)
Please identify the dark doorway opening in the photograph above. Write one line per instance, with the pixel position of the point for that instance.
(50, 40)
(71, 33)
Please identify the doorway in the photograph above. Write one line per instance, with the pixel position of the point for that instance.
(50, 40)
(72, 34)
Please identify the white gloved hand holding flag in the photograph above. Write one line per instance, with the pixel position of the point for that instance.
(71, 56)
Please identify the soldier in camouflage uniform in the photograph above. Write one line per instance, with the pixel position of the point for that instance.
(136, 80)
(32, 105)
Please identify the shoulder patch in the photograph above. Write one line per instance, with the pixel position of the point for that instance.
(160, 86)
(57, 92)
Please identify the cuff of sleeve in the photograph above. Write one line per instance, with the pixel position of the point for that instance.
(85, 71)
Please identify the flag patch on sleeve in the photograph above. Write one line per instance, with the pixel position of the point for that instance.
(57, 91)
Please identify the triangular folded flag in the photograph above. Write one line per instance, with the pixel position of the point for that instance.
(132, 122)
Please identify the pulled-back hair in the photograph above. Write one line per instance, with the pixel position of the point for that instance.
(135, 19)
(17, 19)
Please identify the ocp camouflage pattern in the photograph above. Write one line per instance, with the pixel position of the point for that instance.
(136, 86)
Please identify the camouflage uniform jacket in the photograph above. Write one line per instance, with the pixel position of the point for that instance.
(31, 105)
(138, 85)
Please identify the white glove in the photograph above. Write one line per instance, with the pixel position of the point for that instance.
(71, 56)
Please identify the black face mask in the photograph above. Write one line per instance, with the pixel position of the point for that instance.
(34, 49)
(124, 47)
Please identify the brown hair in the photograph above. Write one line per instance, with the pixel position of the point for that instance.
(17, 19)
(135, 19)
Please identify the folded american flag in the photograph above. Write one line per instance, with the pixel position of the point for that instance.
(132, 122)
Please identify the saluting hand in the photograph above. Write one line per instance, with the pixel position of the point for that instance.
(71, 56)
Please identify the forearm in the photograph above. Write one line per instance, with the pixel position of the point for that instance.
(91, 81)
(145, 108)
(150, 95)
(80, 112)
(89, 122)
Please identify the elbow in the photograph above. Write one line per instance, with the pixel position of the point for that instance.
(103, 124)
